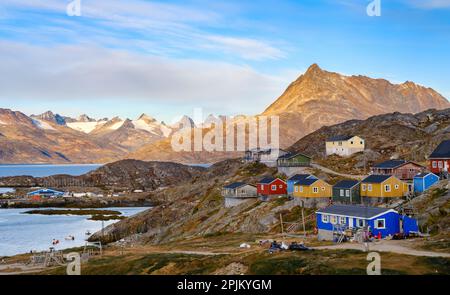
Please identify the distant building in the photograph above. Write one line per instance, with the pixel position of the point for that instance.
(347, 192)
(271, 187)
(313, 192)
(294, 179)
(237, 193)
(439, 160)
(46, 193)
(267, 156)
(404, 170)
(385, 221)
(379, 188)
(344, 145)
(423, 181)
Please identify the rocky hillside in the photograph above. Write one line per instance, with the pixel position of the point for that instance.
(410, 136)
(321, 98)
(123, 175)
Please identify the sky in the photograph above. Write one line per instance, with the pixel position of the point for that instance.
(165, 58)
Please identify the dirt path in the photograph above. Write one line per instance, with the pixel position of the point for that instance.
(386, 246)
(329, 171)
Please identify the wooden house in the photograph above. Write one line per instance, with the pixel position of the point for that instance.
(344, 145)
(439, 160)
(347, 192)
(379, 188)
(423, 181)
(313, 192)
(271, 187)
(294, 179)
(404, 170)
(333, 220)
(294, 160)
(267, 156)
(238, 192)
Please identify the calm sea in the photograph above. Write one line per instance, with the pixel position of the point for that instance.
(37, 170)
(20, 233)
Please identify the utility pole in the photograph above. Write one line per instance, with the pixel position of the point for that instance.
(303, 219)
(281, 224)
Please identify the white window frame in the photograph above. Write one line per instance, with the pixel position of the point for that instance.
(363, 187)
(315, 190)
(325, 218)
(440, 165)
(296, 189)
(342, 220)
(280, 186)
(396, 186)
(434, 164)
(333, 219)
(323, 188)
(301, 189)
(376, 223)
(360, 222)
(369, 187)
(347, 193)
(262, 186)
(273, 187)
(387, 188)
(342, 192)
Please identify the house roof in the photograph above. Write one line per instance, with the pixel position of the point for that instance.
(340, 138)
(235, 185)
(346, 183)
(45, 191)
(299, 176)
(354, 211)
(306, 181)
(376, 178)
(267, 180)
(390, 164)
(441, 151)
(422, 175)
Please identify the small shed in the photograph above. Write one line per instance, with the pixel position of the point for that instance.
(238, 192)
(347, 192)
(423, 181)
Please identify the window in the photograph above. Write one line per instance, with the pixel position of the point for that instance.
(347, 193)
(361, 142)
(342, 220)
(301, 189)
(387, 188)
(296, 189)
(333, 219)
(360, 222)
(364, 187)
(351, 142)
(380, 223)
(274, 187)
(434, 164)
(280, 186)
(262, 186)
(397, 186)
(340, 143)
(341, 193)
(323, 188)
(369, 187)
(440, 164)
(325, 218)
(315, 190)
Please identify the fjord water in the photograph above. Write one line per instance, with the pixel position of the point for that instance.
(20, 233)
(38, 170)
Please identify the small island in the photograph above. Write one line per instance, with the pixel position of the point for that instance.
(97, 215)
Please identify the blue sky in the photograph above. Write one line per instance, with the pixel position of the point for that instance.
(226, 57)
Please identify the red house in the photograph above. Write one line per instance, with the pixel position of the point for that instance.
(270, 186)
(439, 159)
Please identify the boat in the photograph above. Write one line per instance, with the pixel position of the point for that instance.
(70, 238)
(88, 233)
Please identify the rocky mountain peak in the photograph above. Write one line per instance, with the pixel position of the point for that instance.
(146, 118)
(85, 118)
(49, 116)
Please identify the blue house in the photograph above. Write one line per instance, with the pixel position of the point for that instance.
(296, 178)
(46, 192)
(377, 220)
(423, 181)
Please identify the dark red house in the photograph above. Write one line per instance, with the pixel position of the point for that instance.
(439, 160)
(401, 169)
(270, 186)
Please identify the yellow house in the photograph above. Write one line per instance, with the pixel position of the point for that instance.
(312, 188)
(344, 145)
(383, 186)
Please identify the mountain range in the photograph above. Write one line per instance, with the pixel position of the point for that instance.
(317, 98)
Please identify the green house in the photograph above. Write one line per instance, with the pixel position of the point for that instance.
(346, 192)
(294, 160)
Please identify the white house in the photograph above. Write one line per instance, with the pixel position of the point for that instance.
(344, 145)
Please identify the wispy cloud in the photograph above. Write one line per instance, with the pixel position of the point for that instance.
(176, 27)
(75, 73)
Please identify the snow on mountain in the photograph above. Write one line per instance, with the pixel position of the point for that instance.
(86, 127)
(42, 124)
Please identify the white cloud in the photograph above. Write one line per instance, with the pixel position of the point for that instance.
(75, 73)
